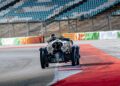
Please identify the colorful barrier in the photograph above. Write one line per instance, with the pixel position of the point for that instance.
(80, 36)
(118, 34)
(21, 40)
(93, 35)
(72, 36)
(30, 40)
(88, 36)
(108, 35)
(0, 42)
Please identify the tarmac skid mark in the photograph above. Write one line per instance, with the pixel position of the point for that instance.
(98, 69)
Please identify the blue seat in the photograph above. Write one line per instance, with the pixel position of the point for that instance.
(42, 15)
(85, 8)
(116, 13)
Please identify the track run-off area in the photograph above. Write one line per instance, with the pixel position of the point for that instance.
(99, 66)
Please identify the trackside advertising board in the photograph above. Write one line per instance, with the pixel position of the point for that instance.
(118, 34)
(22, 40)
(108, 35)
(82, 36)
(0, 42)
(72, 36)
(88, 36)
(93, 35)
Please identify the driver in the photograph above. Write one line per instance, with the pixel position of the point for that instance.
(52, 38)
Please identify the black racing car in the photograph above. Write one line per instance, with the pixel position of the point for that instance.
(59, 50)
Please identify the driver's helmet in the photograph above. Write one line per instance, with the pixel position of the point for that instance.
(52, 35)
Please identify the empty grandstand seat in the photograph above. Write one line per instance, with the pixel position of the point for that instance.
(5, 2)
(37, 9)
(44, 9)
(88, 9)
(116, 13)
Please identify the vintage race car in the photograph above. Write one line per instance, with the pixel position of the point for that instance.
(59, 50)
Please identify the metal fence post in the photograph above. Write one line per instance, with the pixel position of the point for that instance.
(68, 25)
(9, 29)
(93, 24)
(59, 27)
(13, 28)
(76, 25)
(28, 28)
(109, 22)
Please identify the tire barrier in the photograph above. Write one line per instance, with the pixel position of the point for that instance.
(22, 40)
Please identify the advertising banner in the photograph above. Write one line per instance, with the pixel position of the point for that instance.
(31, 40)
(80, 36)
(118, 34)
(16, 41)
(91, 35)
(108, 35)
(88, 36)
(0, 42)
(22, 40)
(72, 36)
(7, 41)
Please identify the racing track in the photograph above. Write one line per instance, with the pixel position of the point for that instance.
(100, 66)
(20, 66)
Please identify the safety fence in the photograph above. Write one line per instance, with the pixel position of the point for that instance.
(93, 35)
(21, 40)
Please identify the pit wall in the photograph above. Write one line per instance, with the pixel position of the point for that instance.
(21, 40)
(93, 35)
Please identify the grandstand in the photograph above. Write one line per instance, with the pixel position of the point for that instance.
(35, 17)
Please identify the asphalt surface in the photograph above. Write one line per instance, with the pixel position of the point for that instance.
(20, 66)
(111, 47)
(98, 67)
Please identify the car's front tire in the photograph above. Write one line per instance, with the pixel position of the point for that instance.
(42, 58)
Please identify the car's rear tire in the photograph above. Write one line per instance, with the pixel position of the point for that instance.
(78, 62)
(77, 55)
(73, 56)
